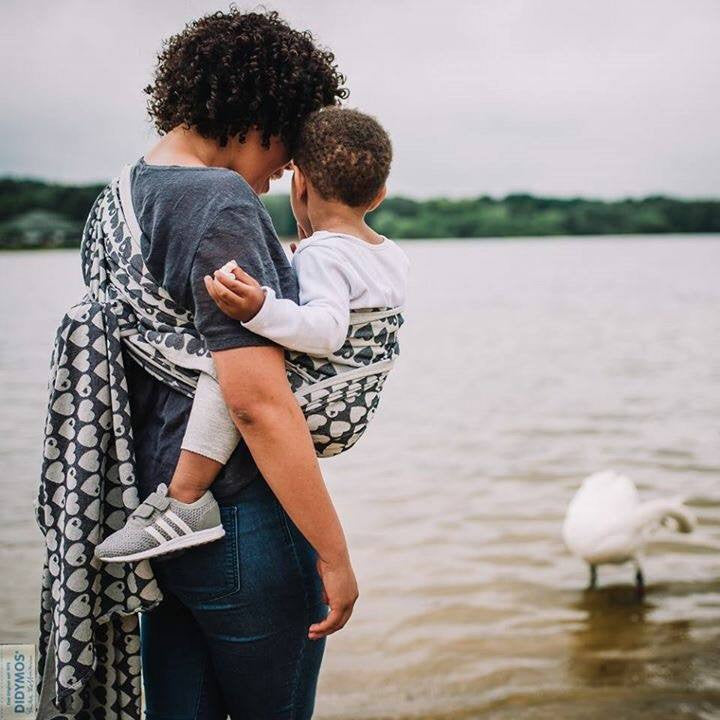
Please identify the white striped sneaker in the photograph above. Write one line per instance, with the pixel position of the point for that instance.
(162, 525)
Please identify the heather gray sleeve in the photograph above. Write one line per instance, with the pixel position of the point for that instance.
(239, 233)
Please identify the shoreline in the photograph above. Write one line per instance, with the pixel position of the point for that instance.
(287, 239)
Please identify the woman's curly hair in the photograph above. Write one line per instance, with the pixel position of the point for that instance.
(228, 72)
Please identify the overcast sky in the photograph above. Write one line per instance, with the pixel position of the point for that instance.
(594, 97)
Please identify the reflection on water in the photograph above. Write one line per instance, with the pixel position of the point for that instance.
(656, 667)
(525, 366)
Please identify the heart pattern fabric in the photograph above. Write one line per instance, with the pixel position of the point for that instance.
(88, 660)
(339, 394)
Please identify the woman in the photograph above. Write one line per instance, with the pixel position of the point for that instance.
(241, 630)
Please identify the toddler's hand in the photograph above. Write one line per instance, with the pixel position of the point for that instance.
(236, 293)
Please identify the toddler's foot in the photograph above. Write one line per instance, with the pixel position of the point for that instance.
(162, 525)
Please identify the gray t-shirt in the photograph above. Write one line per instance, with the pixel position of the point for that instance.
(193, 220)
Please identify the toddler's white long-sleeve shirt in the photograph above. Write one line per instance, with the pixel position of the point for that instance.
(336, 273)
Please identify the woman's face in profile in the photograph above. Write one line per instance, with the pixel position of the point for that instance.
(274, 161)
(278, 174)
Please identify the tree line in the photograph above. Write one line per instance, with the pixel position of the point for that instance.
(34, 213)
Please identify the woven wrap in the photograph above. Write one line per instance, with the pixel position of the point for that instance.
(89, 661)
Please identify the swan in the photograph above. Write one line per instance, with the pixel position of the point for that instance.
(606, 523)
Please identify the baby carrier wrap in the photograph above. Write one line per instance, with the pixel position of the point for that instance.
(89, 663)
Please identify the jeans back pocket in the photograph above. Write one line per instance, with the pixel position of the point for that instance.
(206, 572)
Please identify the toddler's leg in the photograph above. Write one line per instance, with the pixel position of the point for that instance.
(193, 475)
(188, 514)
(210, 439)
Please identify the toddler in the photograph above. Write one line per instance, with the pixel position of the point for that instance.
(341, 164)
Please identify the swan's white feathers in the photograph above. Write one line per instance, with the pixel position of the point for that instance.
(606, 522)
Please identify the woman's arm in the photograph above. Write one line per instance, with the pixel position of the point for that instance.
(255, 388)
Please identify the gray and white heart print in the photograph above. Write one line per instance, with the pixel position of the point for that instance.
(339, 394)
(89, 662)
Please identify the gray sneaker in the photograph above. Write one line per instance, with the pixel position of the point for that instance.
(162, 525)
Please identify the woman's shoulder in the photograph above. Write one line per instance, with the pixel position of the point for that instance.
(209, 186)
(186, 203)
(180, 209)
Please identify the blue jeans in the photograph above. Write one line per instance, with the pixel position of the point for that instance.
(230, 638)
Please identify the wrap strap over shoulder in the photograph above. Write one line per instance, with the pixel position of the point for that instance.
(89, 659)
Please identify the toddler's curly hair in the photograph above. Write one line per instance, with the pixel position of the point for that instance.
(345, 154)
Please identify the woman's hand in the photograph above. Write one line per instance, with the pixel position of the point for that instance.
(236, 293)
(341, 592)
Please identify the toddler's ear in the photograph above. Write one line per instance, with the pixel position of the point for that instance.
(378, 199)
(299, 183)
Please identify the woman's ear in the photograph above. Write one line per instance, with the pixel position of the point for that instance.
(378, 199)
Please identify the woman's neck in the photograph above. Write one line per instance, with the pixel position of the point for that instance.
(186, 147)
(250, 158)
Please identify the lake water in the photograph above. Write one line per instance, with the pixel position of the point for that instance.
(525, 366)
